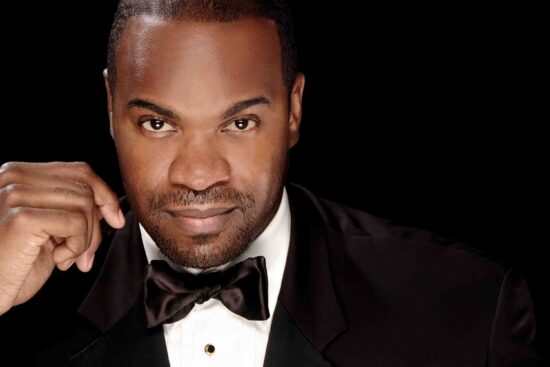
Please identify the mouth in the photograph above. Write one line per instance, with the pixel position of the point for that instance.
(200, 221)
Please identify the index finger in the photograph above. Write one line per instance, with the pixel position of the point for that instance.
(104, 197)
(82, 174)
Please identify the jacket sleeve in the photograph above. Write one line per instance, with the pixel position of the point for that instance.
(512, 341)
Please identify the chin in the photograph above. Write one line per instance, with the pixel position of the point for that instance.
(203, 250)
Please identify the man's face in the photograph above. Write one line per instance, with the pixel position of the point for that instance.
(203, 172)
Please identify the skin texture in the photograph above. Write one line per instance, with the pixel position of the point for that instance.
(179, 147)
(177, 151)
(49, 215)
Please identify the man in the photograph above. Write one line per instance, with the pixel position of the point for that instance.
(205, 103)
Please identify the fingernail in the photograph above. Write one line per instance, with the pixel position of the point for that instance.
(120, 217)
(90, 262)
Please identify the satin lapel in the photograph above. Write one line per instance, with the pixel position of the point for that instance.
(120, 279)
(288, 346)
(115, 307)
(127, 343)
(307, 291)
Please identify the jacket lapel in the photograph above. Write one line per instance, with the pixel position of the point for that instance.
(288, 346)
(307, 317)
(115, 307)
(120, 280)
(127, 343)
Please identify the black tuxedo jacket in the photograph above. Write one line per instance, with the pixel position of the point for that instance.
(357, 291)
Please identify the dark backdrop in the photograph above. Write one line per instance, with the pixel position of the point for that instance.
(423, 115)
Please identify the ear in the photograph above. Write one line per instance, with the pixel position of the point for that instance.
(295, 109)
(109, 101)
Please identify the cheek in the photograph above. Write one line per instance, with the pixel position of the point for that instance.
(143, 165)
(260, 164)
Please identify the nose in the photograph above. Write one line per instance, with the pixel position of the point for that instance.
(199, 164)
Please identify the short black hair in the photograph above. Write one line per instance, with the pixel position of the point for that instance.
(210, 11)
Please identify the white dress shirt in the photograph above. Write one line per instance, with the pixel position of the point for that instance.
(234, 340)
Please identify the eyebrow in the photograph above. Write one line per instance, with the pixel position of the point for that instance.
(243, 105)
(141, 103)
(230, 111)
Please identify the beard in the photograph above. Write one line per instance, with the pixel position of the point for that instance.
(205, 250)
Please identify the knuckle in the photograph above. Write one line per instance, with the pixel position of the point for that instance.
(86, 195)
(10, 194)
(78, 225)
(82, 196)
(61, 190)
(86, 189)
(87, 198)
(8, 166)
(8, 171)
(83, 168)
(67, 193)
(76, 245)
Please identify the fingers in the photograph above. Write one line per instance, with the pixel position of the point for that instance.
(77, 176)
(71, 187)
(105, 198)
(79, 199)
(45, 224)
(86, 260)
(49, 216)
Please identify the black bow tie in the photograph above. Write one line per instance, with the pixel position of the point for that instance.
(170, 295)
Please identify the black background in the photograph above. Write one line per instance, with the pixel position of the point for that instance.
(424, 115)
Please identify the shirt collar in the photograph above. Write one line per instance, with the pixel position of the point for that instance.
(272, 244)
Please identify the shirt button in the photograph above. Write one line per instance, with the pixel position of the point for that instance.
(209, 349)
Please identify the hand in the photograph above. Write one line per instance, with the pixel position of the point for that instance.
(49, 216)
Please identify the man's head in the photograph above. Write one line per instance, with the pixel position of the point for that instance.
(210, 11)
(206, 103)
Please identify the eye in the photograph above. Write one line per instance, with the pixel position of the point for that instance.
(157, 125)
(241, 125)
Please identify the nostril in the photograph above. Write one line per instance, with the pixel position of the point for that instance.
(198, 173)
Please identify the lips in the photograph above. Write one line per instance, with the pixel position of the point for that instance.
(200, 213)
(196, 221)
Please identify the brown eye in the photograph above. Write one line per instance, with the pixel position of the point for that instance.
(157, 125)
(242, 125)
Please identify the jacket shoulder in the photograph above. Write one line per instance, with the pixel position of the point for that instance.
(427, 291)
(363, 234)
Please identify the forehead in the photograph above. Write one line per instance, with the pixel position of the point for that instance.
(185, 57)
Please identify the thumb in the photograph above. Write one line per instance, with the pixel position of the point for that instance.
(112, 214)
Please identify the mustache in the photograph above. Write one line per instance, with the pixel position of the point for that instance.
(215, 195)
